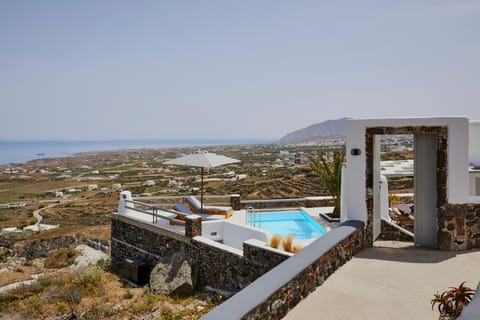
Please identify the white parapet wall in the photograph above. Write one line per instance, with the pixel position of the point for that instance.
(474, 143)
(232, 234)
(124, 196)
(355, 191)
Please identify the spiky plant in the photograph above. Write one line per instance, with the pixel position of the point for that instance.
(330, 174)
(450, 303)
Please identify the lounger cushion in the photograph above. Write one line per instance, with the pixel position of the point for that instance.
(196, 204)
(180, 207)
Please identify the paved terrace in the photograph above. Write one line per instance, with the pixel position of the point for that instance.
(389, 283)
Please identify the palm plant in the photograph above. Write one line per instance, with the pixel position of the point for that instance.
(330, 174)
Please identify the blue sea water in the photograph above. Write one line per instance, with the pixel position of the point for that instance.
(22, 151)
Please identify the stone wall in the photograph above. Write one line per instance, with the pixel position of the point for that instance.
(136, 240)
(42, 247)
(291, 293)
(221, 269)
(391, 233)
(275, 293)
(217, 267)
(459, 227)
(98, 244)
(253, 250)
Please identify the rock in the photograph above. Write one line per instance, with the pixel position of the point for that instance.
(173, 275)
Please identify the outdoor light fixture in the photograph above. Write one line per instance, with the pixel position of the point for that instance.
(355, 152)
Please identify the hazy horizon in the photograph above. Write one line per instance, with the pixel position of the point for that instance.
(127, 70)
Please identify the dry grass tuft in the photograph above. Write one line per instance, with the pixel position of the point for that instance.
(276, 240)
(61, 258)
(288, 243)
(297, 249)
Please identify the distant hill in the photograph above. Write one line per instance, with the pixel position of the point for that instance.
(326, 129)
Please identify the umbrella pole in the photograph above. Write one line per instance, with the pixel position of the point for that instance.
(201, 192)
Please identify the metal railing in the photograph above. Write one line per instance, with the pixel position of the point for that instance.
(153, 210)
(169, 200)
(254, 217)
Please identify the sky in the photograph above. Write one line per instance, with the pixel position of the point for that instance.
(94, 70)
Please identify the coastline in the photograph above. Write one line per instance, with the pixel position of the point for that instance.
(22, 151)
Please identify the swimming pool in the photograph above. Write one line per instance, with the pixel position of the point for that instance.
(286, 222)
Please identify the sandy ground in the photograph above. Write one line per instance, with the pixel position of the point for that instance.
(389, 283)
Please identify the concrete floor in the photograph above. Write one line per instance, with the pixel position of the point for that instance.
(389, 283)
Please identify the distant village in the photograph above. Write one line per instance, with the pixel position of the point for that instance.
(143, 168)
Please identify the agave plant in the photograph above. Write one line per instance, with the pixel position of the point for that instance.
(451, 302)
(330, 174)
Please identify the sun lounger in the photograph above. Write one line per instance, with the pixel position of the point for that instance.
(195, 206)
(180, 207)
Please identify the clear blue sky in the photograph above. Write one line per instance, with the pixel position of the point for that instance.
(230, 69)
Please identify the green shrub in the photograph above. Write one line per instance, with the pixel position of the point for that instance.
(169, 314)
(5, 255)
(34, 305)
(104, 264)
(128, 295)
(88, 278)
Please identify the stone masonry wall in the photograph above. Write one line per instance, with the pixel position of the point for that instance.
(288, 296)
(135, 242)
(390, 233)
(268, 258)
(458, 224)
(227, 271)
(459, 227)
(282, 288)
(42, 247)
(217, 268)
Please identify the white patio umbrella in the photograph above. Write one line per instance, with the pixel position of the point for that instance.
(202, 159)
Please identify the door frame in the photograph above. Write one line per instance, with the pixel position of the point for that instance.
(442, 171)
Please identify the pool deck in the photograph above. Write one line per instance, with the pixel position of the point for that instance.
(239, 217)
(389, 283)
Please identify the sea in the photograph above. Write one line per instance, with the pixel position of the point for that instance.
(23, 151)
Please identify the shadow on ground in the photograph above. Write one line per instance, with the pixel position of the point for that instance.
(408, 254)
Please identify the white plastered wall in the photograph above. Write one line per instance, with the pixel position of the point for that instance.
(354, 189)
(474, 146)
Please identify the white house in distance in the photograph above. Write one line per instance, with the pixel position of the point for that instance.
(445, 213)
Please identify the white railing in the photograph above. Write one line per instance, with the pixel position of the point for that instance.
(126, 203)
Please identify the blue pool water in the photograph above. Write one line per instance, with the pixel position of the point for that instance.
(287, 222)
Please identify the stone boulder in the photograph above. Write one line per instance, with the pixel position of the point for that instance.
(173, 275)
